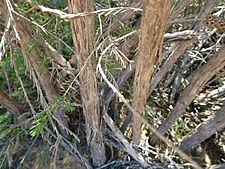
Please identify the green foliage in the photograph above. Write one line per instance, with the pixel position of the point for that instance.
(40, 122)
(10, 71)
(59, 4)
(45, 116)
(69, 106)
(179, 129)
(5, 120)
(24, 6)
(6, 64)
(57, 26)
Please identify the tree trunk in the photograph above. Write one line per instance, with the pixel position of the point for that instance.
(155, 14)
(83, 31)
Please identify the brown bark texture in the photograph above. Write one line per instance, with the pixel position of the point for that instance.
(154, 19)
(83, 31)
(205, 130)
(11, 104)
(201, 77)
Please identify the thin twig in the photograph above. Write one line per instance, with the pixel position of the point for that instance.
(66, 16)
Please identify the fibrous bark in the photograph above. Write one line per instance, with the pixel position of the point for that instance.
(83, 31)
(155, 13)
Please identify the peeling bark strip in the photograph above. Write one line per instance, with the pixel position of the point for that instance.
(205, 130)
(155, 14)
(83, 31)
(32, 58)
(202, 76)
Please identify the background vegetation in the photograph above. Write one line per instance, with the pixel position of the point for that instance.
(70, 96)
